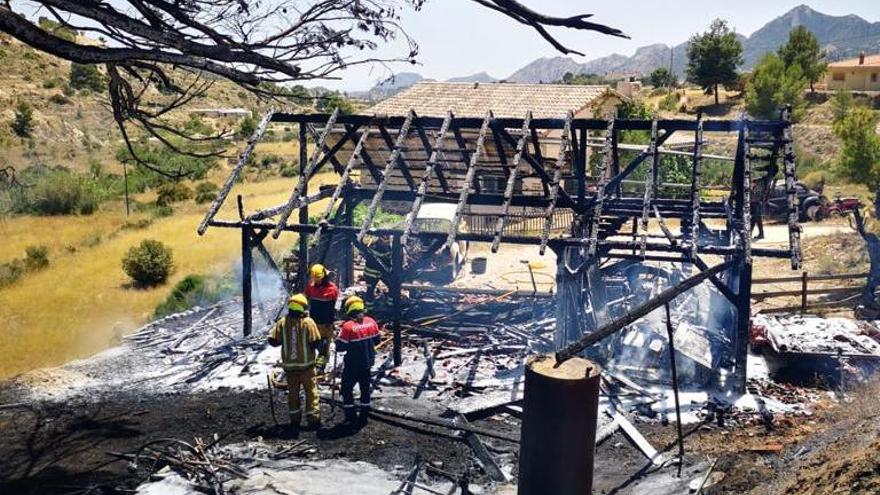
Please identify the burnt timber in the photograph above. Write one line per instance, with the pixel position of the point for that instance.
(538, 165)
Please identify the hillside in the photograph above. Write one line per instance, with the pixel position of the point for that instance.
(70, 127)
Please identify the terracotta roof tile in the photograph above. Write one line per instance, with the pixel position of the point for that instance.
(504, 99)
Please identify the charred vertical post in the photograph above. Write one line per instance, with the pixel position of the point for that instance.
(247, 265)
(570, 299)
(743, 268)
(346, 271)
(303, 256)
(558, 437)
(396, 282)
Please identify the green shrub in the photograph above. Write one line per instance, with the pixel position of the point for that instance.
(290, 170)
(86, 77)
(173, 192)
(194, 290)
(148, 264)
(815, 179)
(142, 178)
(11, 272)
(670, 102)
(138, 224)
(269, 160)
(247, 127)
(23, 122)
(162, 211)
(206, 192)
(62, 193)
(36, 257)
(49, 83)
(59, 99)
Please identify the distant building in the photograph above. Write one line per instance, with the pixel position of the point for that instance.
(222, 113)
(855, 74)
(629, 87)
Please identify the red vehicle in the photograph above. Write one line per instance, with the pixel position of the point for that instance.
(841, 206)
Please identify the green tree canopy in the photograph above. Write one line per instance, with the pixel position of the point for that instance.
(713, 58)
(582, 79)
(335, 100)
(86, 76)
(23, 122)
(859, 159)
(803, 50)
(663, 78)
(773, 86)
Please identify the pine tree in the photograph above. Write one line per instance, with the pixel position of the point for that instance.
(803, 50)
(773, 86)
(713, 58)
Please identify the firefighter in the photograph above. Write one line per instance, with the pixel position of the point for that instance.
(298, 337)
(322, 294)
(358, 338)
(372, 271)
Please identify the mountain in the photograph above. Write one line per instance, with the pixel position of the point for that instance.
(389, 87)
(545, 70)
(840, 36)
(480, 77)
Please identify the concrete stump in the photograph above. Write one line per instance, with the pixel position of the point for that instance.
(558, 438)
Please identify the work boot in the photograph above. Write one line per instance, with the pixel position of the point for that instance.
(295, 419)
(350, 414)
(313, 422)
(363, 414)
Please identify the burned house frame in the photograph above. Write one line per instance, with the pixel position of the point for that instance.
(542, 169)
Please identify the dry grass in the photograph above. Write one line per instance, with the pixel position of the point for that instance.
(82, 302)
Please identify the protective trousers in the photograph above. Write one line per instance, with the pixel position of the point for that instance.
(327, 332)
(351, 377)
(304, 379)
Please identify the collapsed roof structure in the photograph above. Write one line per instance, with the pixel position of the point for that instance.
(592, 197)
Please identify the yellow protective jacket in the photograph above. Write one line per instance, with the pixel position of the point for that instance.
(297, 337)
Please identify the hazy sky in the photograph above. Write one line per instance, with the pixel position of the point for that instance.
(459, 37)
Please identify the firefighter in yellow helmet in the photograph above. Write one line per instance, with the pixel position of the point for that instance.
(358, 338)
(322, 294)
(298, 337)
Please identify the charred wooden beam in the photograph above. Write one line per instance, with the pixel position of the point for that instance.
(634, 164)
(330, 151)
(306, 174)
(521, 147)
(537, 164)
(236, 171)
(639, 312)
(564, 146)
(430, 167)
(543, 123)
(386, 175)
(423, 136)
(650, 184)
(344, 182)
(696, 185)
(794, 229)
(607, 161)
(399, 147)
(746, 229)
(469, 179)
